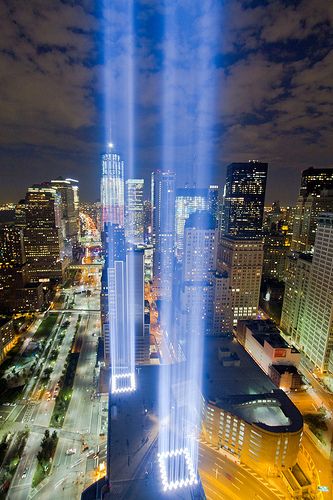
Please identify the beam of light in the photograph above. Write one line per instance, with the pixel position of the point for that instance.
(118, 67)
(188, 44)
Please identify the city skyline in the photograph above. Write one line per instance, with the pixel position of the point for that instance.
(166, 276)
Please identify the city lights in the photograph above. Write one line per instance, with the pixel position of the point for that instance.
(170, 462)
(121, 383)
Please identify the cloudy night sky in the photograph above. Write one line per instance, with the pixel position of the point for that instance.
(240, 80)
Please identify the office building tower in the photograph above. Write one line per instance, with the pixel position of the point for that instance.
(222, 312)
(137, 307)
(134, 211)
(17, 294)
(114, 249)
(147, 221)
(188, 201)
(315, 197)
(12, 265)
(276, 251)
(213, 200)
(199, 280)
(316, 331)
(242, 260)
(296, 287)
(200, 247)
(163, 230)
(68, 189)
(243, 201)
(112, 189)
(43, 239)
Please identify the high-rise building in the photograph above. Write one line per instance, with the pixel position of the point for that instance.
(112, 189)
(134, 211)
(213, 200)
(163, 230)
(12, 265)
(296, 288)
(242, 260)
(17, 294)
(188, 201)
(243, 201)
(203, 289)
(43, 239)
(200, 247)
(114, 249)
(316, 329)
(68, 190)
(136, 305)
(315, 197)
(147, 221)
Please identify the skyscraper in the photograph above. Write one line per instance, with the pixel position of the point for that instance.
(188, 200)
(43, 239)
(296, 288)
(242, 260)
(68, 190)
(213, 200)
(200, 246)
(134, 211)
(316, 329)
(163, 229)
(112, 189)
(243, 203)
(199, 265)
(315, 196)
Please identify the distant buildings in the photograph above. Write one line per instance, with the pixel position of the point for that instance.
(315, 196)
(134, 211)
(163, 230)
(243, 201)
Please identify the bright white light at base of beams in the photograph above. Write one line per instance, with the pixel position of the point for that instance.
(175, 485)
(130, 387)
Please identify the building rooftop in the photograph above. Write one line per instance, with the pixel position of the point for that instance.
(273, 339)
(235, 383)
(266, 331)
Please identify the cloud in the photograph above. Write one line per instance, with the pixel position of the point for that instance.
(220, 80)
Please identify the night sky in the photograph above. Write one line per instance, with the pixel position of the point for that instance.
(266, 90)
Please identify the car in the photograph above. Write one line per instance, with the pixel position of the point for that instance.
(71, 451)
(25, 473)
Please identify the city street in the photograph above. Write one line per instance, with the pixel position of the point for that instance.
(70, 472)
(225, 479)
